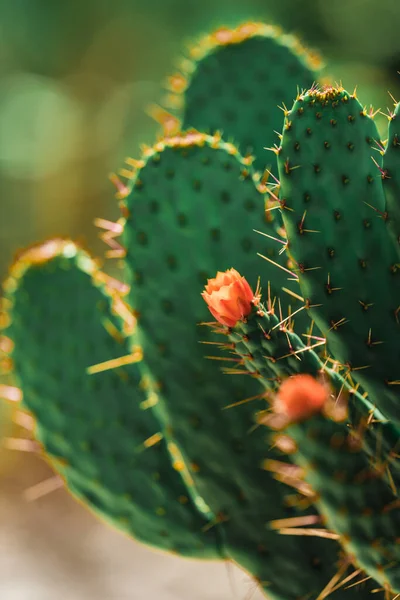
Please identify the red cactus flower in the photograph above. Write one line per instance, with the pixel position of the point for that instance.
(301, 396)
(229, 297)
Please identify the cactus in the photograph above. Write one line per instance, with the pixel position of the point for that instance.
(166, 445)
(344, 478)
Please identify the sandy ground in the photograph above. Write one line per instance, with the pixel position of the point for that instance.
(54, 549)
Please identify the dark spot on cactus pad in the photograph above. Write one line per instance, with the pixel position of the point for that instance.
(316, 563)
(246, 244)
(163, 533)
(244, 95)
(197, 185)
(225, 196)
(345, 179)
(201, 101)
(261, 76)
(163, 349)
(263, 118)
(248, 145)
(202, 276)
(237, 446)
(142, 238)
(172, 262)
(215, 234)
(327, 145)
(229, 114)
(241, 497)
(350, 146)
(169, 173)
(216, 90)
(182, 220)
(250, 205)
(154, 207)
(167, 306)
(195, 421)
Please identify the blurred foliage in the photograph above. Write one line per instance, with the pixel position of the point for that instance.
(76, 76)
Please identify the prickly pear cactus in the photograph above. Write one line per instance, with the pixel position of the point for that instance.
(94, 421)
(171, 446)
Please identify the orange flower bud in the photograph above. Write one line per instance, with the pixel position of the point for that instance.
(301, 396)
(229, 297)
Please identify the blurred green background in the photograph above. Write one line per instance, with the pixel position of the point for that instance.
(75, 78)
(76, 75)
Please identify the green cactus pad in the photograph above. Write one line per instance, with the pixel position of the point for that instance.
(97, 429)
(192, 208)
(332, 205)
(235, 80)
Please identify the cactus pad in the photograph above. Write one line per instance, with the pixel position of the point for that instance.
(97, 429)
(333, 202)
(235, 80)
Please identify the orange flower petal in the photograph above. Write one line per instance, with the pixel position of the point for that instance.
(301, 396)
(229, 297)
